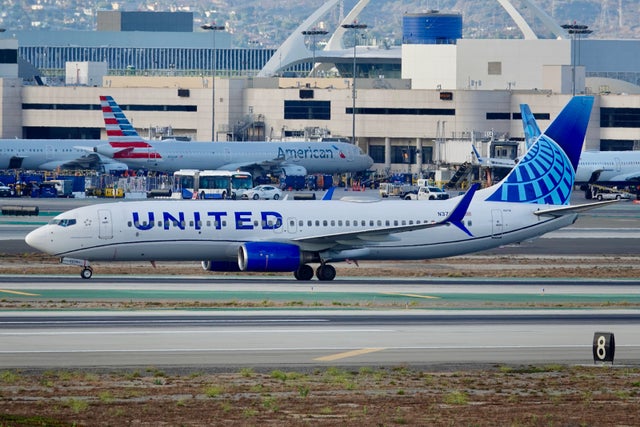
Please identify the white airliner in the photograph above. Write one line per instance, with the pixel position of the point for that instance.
(288, 235)
(602, 167)
(53, 154)
(294, 158)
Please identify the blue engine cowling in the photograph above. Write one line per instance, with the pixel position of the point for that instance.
(269, 256)
(220, 265)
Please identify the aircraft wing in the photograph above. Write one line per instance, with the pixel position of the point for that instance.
(565, 210)
(631, 176)
(354, 239)
(90, 161)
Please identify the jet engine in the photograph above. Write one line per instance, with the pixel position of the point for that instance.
(294, 170)
(220, 265)
(269, 256)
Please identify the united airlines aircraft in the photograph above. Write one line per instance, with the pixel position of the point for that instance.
(288, 235)
(294, 158)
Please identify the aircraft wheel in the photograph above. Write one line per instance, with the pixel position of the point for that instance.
(304, 272)
(86, 273)
(326, 273)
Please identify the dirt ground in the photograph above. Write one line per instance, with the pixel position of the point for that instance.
(554, 395)
(499, 395)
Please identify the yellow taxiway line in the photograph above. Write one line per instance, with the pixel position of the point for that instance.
(346, 354)
(6, 291)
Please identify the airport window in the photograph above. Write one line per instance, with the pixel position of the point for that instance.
(8, 56)
(498, 116)
(616, 144)
(403, 111)
(494, 68)
(97, 107)
(307, 110)
(620, 117)
(377, 153)
(537, 116)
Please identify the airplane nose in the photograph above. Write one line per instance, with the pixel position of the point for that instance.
(39, 239)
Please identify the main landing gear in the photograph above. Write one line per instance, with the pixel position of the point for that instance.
(324, 272)
(86, 273)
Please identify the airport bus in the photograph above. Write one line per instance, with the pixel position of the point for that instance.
(211, 184)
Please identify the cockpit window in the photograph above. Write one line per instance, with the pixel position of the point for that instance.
(63, 222)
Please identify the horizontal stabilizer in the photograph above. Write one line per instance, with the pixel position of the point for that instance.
(564, 210)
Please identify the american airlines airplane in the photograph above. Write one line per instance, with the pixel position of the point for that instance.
(52, 154)
(601, 167)
(288, 235)
(294, 158)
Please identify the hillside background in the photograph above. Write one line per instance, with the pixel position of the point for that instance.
(268, 22)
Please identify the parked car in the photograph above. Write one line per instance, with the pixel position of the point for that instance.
(5, 191)
(263, 192)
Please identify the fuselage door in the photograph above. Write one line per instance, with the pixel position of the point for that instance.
(48, 152)
(106, 226)
(497, 224)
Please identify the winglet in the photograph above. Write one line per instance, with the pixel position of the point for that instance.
(477, 154)
(329, 194)
(457, 216)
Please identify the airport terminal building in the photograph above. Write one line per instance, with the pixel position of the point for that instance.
(417, 107)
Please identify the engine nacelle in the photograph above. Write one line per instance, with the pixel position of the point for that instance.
(220, 265)
(269, 256)
(294, 170)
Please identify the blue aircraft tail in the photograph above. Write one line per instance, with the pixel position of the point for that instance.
(546, 174)
(530, 126)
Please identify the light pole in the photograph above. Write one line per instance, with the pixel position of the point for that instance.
(213, 28)
(355, 27)
(573, 30)
(313, 34)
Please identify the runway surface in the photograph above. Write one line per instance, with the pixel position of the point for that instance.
(283, 337)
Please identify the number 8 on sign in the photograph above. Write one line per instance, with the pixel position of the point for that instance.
(604, 347)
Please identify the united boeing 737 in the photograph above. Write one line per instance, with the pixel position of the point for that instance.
(294, 158)
(288, 235)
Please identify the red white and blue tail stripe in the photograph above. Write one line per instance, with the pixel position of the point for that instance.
(121, 135)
